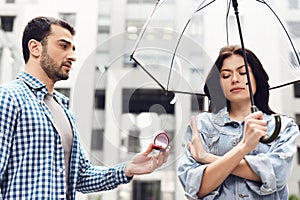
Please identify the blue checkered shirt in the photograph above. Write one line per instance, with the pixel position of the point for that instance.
(31, 152)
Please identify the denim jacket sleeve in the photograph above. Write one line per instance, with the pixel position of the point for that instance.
(189, 171)
(275, 165)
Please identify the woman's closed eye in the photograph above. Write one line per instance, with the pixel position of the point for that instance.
(243, 73)
(225, 75)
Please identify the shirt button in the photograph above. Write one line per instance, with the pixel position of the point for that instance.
(61, 170)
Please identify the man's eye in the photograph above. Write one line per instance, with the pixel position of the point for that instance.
(243, 73)
(64, 46)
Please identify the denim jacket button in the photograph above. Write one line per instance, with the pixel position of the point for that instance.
(234, 143)
(235, 124)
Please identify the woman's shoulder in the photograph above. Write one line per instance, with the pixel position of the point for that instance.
(287, 122)
(204, 116)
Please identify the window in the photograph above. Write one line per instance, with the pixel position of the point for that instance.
(64, 91)
(100, 99)
(97, 139)
(7, 23)
(297, 90)
(68, 17)
(1, 52)
(293, 58)
(104, 22)
(129, 62)
(133, 28)
(104, 29)
(145, 100)
(294, 28)
(146, 190)
(197, 103)
(103, 32)
(148, 1)
(293, 4)
(134, 140)
(298, 120)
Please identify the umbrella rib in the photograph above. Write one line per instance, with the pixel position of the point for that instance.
(137, 62)
(180, 37)
(145, 26)
(283, 85)
(173, 57)
(182, 92)
(200, 8)
(227, 16)
(287, 34)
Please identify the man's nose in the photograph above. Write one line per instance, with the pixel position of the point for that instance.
(72, 56)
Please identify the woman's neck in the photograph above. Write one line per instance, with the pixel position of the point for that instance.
(238, 112)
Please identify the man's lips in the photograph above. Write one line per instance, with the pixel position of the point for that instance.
(68, 65)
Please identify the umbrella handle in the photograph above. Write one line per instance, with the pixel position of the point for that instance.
(273, 136)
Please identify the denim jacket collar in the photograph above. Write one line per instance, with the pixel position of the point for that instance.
(222, 118)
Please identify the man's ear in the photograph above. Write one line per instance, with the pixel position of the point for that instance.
(35, 48)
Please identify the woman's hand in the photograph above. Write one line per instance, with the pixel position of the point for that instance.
(195, 146)
(255, 128)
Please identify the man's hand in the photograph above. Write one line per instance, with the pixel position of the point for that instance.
(143, 163)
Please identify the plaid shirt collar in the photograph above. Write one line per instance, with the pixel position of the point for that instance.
(40, 89)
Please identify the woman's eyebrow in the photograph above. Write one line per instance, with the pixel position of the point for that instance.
(236, 68)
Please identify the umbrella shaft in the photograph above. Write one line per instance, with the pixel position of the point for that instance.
(235, 6)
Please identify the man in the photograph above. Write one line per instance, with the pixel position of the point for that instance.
(40, 155)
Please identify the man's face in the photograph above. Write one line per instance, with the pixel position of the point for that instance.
(58, 54)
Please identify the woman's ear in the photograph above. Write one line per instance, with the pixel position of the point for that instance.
(35, 48)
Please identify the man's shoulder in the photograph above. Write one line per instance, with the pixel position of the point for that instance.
(13, 89)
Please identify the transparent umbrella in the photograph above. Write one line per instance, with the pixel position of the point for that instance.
(175, 45)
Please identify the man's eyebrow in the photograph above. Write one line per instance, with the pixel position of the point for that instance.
(68, 42)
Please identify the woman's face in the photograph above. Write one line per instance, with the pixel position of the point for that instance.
(233, 79)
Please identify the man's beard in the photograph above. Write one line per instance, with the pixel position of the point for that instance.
(52, 68)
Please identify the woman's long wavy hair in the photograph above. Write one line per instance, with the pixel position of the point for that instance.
(213, 90)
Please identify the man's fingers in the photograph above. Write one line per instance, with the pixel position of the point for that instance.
(149, 149)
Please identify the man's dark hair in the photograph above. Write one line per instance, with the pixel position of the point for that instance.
(39, 28)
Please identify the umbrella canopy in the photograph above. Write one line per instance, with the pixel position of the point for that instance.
(177, 46)
(181, 66)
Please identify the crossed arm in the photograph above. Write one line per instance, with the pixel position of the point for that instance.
(232, 162)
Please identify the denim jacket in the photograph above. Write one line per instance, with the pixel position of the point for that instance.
(272, 162)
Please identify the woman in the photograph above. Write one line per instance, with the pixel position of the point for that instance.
(223, 157)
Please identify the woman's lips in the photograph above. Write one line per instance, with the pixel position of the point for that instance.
(236, 89)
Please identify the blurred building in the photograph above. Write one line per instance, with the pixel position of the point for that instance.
(118, 107)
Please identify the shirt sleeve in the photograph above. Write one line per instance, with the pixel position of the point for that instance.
(8, 121)
(275, 166)
(190, 172)
(100, 178)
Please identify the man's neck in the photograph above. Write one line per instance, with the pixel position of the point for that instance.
(40, 74)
